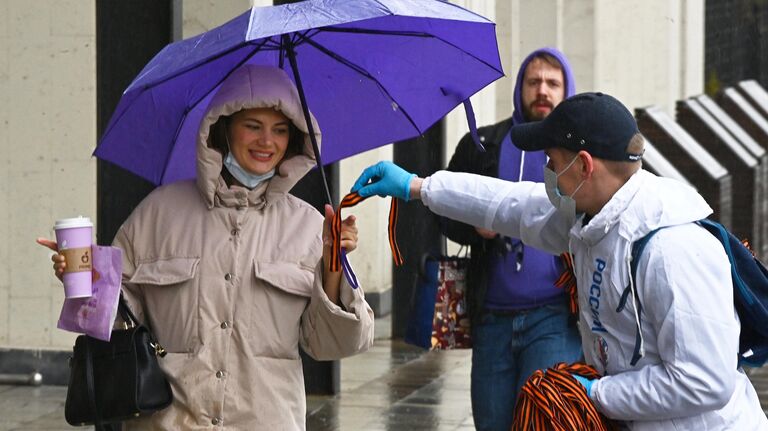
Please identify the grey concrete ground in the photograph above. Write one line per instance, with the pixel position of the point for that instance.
(392, 387)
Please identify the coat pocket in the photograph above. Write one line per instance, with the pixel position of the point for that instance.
(163, 272)
(171, 301)
(286, 276)
(279, 298)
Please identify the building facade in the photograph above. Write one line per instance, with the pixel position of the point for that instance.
(643, 52)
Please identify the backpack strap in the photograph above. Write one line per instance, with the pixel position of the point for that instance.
(722, 234)
(637, 250)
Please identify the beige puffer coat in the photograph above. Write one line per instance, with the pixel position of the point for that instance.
(229, 279)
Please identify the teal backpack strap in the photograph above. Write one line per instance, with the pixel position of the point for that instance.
(637, 250)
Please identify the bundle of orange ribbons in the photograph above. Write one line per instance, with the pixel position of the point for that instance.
(553, 400)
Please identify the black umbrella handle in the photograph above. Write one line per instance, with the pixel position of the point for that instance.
(289, 49)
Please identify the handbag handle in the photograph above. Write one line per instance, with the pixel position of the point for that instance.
(126, 313)
(131, 321)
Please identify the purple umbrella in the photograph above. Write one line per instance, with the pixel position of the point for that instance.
(373, 71)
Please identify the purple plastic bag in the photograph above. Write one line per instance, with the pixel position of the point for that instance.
(95, 316)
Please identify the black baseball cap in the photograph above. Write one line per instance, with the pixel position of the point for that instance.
(593, 122)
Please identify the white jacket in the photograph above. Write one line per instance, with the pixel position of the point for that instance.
(688, 378)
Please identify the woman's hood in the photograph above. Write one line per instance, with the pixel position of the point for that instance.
(249, 87)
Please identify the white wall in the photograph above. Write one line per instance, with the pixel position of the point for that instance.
(202, 15)
(691, 48)
(47, 134)
(649, 52)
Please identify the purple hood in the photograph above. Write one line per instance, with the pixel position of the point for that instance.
(570, 84)
(530, 284)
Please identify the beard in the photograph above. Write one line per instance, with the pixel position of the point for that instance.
(532, 114)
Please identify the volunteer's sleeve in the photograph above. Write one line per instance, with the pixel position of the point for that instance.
(515, 209)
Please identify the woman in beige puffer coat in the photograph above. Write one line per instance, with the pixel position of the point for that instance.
(232, 280)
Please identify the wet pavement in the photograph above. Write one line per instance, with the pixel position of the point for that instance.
(393, 386)
(398, 387)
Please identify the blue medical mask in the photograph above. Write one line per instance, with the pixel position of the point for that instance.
(565, 205)
(246, 178)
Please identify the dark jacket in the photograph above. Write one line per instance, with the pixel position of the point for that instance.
(468, 159)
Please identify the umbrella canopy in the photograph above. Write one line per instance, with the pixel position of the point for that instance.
(372, 72)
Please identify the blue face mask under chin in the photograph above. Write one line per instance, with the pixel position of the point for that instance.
(246, 178)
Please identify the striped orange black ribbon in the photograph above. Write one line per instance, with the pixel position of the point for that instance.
(553, 400)
(337, 254)
(567, 281)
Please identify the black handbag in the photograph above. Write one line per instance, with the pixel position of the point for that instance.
(117, 380)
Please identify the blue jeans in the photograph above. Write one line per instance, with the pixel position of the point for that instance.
(507, 349)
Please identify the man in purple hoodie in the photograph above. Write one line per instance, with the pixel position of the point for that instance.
(520, 320)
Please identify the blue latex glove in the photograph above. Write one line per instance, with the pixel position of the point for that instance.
(587, 383)
(386, 179)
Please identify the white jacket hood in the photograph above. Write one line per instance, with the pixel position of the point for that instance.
(645, 203)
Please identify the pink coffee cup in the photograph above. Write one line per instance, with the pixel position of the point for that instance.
(73, 236)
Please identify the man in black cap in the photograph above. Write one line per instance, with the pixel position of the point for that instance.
(666, 342)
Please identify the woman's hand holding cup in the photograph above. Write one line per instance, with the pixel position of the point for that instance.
(59, 262)
(73, 243)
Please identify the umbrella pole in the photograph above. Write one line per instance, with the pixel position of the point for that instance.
(288, 44)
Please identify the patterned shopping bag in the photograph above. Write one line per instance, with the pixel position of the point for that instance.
(450, 324)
